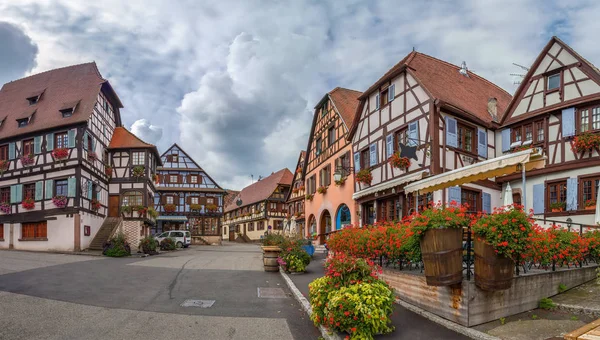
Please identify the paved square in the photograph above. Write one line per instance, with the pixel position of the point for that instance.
(198, 303)
(271, 293)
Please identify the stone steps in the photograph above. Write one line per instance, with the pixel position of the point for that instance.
(106, 230)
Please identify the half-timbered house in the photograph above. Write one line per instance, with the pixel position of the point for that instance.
(329, 205)
(557, 103)
(438, 117)
(294, 223)
(55, 128)
(188, 198)
(259, 208)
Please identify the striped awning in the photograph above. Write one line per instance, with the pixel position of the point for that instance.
(172, 218)
(508, 164)
(389, 184)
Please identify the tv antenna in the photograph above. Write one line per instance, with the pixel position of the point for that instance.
(520, 75)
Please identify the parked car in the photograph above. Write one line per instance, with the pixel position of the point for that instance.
(182, 238)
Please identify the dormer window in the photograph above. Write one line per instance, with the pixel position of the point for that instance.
(22, 122)
(33, 100)
(553, 82)
(67, 112)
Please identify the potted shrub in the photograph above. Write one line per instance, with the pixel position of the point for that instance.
(500, 240)
(585, 142)
(3, 166)
(28, 160)
(294, 260)
(60, 201)
(195, 207)
(340, 182)
(170, 207)
(399, 162)
(364, 176)
(28, 203)
(138, 171)
(271, 247)
(60, 154)
(5, 208)
(168, 244)
(108, 170)
(590, 204)
(95, 204)
(152, 213)
(558, 206)
(322, 190)
(148, 245)
(116, 247)
(126, 210)
(440, 229)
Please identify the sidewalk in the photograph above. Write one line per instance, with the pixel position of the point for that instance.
(408, 324)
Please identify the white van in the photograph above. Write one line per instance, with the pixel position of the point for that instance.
(182, 238)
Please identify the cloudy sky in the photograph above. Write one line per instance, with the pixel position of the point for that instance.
(234, 82)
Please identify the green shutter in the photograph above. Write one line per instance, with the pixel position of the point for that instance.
(71, 186)
(49, 187)
(13, 194)
(50, 142)
(93, 148)
(19, 193)
(85, 141)
(89, 191)
(37, 145)
(39, 190)
(11, 151)
(71, 137)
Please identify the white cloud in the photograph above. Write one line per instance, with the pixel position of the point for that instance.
(147, 132)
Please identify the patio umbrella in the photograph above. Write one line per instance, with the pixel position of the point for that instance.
(508, 196)
(597, 217)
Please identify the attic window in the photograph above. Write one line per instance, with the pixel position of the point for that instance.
(23, 122)
(33, 100)
(553, 82)
(67, 112)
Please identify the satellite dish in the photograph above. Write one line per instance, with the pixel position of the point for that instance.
(238, 202)
(463, 69)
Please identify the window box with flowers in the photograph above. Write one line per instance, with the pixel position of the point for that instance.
(558, 206)
(322, 190)
(521, 148)
(138, 171)
(28, 203)
(3, 166)
(169, 207)
(28, 160)
(95, 205)
(341, 182)
(60, 201)
(364, 176)
(309, 197)
(195, 207)
(399, 162)
(108, 170)
(586, 142)
(212, 207)
(590, 204)
(5, 208)
(126, 210)
(141, 210)
(60, 154)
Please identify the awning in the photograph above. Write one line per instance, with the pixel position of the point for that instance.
(499, 166)
(389, 184)
(172, 218)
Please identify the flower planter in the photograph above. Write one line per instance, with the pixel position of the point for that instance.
(442, 256)
(590, 208)
(557, 209)
(492, 272)
(270, 255)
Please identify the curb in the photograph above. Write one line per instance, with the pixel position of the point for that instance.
(325, 333)
(578, 309)
(469, 332)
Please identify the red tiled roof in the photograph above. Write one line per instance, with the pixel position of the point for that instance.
(262, 189)
(123, 139)
(346, 101)
(444, 82)
(78, 83)
(229, 198)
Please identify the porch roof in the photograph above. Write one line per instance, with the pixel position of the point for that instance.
(389, 184)
(172, 218)
(499, 166)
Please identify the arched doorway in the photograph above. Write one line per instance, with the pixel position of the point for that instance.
(342, 217)
(324, 226)
(311, 226)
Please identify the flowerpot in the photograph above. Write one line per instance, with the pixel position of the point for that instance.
(557, 209)
(492, 272)
(442, 256)
(592, 207)
(270, 255)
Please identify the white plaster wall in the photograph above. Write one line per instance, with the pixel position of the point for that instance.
(95, 222)
(60, 236)
(4, 243)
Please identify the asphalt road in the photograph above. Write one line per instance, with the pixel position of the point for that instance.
(51, 296)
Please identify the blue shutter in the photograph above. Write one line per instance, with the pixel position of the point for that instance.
(413, 134)
(85, 141)
(13, 194)
(482, 143)
(71, 138)
(39, 190)
(391, 92)
(389, 143)
(505, 140)
(19, 189)
(98, 195)
(568, 122)
(37, 145)
(49, 187)
(93, 147)
(373, 154)
(356, 161)
(50, 142)
(538, 201)
(451, 134)
(376, 102)
(454, 194)
(487, 202)
(71, 186)
(571, 193)
(12, 151)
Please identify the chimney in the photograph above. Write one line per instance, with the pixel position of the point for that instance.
(492, 108)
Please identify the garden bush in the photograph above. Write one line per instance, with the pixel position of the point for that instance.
(168, 244)
(292, 257)
(116, 247)
(148, 245)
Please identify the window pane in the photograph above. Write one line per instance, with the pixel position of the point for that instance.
(553, 81)
(584, 120)
(596, 118)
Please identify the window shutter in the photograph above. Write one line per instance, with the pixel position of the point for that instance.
(50, 142)
(356, 161)
(571, 194)
(451, 134)
(391, 92)
(39, 190)
(37, 145)
(389, 142)
(179, 178)
(199, 179)
(49, 187)
(413, 134)
(13, 194)
(568, 122)
(377, 102)
(454, 194)
(93, 145)
(85, 140)
(11, 151)
(188, 178)
(482, 143)
(373, 154)
(99, 195)
(538, 202)
(505, 140)
(89, 189)
(71, 138)
(71, 186)
(487, 202)
(19, 193)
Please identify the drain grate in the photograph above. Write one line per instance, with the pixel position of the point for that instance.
(271, 293)
(198, 303)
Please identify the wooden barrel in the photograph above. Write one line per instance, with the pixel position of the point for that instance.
(270, 255)
(442, 256)
(492, 272)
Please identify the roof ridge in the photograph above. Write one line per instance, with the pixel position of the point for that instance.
(56, 69)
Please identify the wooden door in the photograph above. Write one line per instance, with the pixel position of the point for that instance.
(113, 206)
(231, 234)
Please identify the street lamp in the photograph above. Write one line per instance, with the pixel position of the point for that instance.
(569, 221)
(340, 172)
